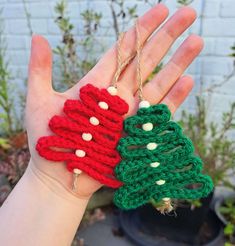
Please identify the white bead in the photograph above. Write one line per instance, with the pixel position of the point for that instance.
(86, 136)
(144, 104)
(80, 153)
(151, 146)
(160, 182)
(112, 90)
(147, 126)
(103, 105)
(154, 164)
(94, 121)
(77, 171)
(166, 199)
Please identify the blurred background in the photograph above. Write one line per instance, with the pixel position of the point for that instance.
(80, 32)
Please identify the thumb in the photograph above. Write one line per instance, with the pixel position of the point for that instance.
(40, 68)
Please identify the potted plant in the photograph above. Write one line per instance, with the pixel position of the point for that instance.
(225, 210)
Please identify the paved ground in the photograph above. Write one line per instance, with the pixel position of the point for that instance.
(101, 234)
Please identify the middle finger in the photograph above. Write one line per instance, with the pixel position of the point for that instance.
(155, 49)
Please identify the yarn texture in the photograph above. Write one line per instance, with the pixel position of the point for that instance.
(158, 162)
(87, 134)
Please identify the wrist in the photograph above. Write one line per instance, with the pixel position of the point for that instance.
(49, 213)
(61, 189)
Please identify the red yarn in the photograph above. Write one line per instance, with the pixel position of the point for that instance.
(101, 156)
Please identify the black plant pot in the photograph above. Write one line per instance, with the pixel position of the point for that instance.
(147, 227)
(184, 226)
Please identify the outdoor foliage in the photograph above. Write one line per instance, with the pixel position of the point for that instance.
(10, 120)
(212, 140)
(14, 154)
(72, 66)
(67, 49)
(228, 211)
(6, 103)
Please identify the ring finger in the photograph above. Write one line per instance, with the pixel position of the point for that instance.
(163, 81)
(178, 93)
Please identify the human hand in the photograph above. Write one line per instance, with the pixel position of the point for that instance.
(168, 86)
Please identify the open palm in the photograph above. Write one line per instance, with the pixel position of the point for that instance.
(168, 86)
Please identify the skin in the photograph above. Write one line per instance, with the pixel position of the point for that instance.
(45, 183)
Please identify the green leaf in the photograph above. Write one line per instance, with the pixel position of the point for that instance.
(184, 2)
(229, 229)
(4, 143)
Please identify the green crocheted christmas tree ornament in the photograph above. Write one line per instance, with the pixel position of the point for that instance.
(158, 163)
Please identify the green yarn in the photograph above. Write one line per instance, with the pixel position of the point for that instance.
(179, 168)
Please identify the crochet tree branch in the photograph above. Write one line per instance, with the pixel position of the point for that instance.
(157, 161)
(87, 134)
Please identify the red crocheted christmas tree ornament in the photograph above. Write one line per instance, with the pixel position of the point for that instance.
(87, 135)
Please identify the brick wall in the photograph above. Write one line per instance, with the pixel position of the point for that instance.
(216, 23)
